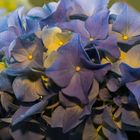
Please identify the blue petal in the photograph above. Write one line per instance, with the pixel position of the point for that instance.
(76, 89)
(89, 7)
(37, 12)
(117, 8)
(6, 38)
(109, 45)
(76, 26)
(126, 23)
(3, 23)
(134, 87)
(62, 69)
(129, 74)
(97, 25)
(50, 7)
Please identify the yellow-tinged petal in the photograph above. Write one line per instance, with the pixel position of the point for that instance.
(53, 38)
(50, 59)
(104, 61)
(2, 66)
(123, 55)
(132, 57)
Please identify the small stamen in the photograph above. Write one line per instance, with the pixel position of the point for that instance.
(61, 43)
(125, 37)
(30, 57)
(77, 69)
(91, 39)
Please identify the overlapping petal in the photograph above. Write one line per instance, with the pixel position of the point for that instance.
(126, 24)
(53, 38)
(25, 55)
(70, 74)
(68, 8)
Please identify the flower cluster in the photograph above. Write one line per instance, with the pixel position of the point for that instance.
(72, 69)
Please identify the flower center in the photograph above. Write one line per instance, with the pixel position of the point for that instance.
(77, 68)
(61, 43)
(30, 57)
(125, 37)
(45, 79)
(91, 39)
(41, 97)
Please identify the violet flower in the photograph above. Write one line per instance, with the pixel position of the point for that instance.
(74, 71)
(95, 30)
(25, 55)
(69, 8)
(126, 24)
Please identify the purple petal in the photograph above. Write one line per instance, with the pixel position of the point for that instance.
(107, 118)
(100, 74)
(92, 66)
(94, 90)
(75, 89)
(113, 84)
(130, 117)
(68, 8)
(24, 112)
(57, 117)
(66, 101)
(63, 67)
(114, 136)
(89, 7)
(97, 25)
(59, 15)
(37, 12)
(27, 91)
(83, 76)
(126, 23)
(32, 26)
(90, 132)
(71, 118)
(76, 26)
(20, 52)
(104, 94)
(60, 77)
(134, 87)
(50, 7)
(109, 45)
(6, 38)
(15, 18)
(129, 74)
(3, 23)
(5, 80)
(117, 8)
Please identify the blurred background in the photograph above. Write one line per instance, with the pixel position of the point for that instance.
(10, 5)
